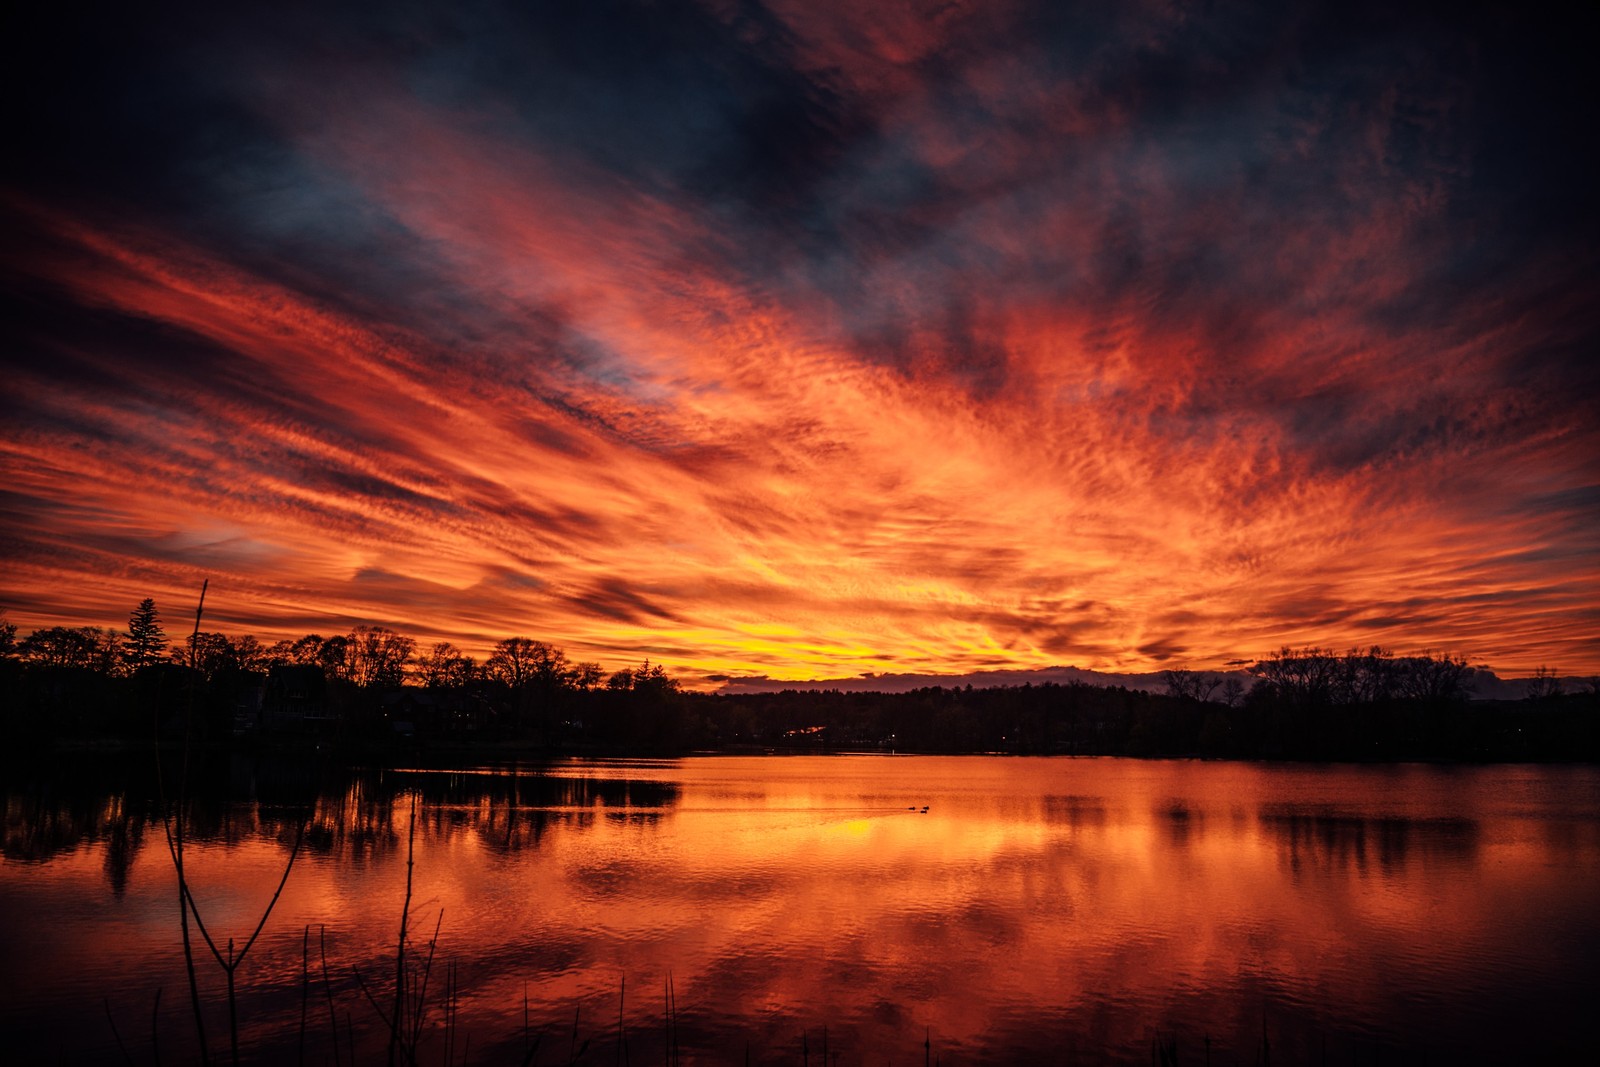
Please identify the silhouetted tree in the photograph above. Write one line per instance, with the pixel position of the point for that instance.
(65, 682)
(1232, 692)
(1544, 685)
(276, 654)
(1192, 685)
(642, 708)
(107, 655)
(521, 661)
(1436, 679)
(217, 655)
(1368, 676)
(249, 654)
(329, 654)
(8, 639)
(145, 642)
(375, 656)
(66, 646)
(446, 667)
(306, 651)
(205, 651)
(653, 678)
(1303, 678)
(539, 678)
(586, 676)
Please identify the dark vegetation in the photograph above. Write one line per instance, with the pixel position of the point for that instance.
(1302, 704)
(371, 687)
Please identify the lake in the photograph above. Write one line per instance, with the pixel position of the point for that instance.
(827, 910)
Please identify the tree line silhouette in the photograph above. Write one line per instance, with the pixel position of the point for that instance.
(371, 685)
(368, 682)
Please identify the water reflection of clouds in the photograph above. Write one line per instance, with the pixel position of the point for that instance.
(1092, 897)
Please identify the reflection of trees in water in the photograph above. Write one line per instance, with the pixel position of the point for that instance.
(1179, 820)
(52, 808)
(355, 814)
(357, 823)
(512, 811)
(1331, 840)
(37, 830)
(40, 825)
(124, 838)
(1075, 811)
(506, 811)
(533, 788)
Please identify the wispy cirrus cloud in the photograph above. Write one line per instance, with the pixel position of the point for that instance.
(791, 341)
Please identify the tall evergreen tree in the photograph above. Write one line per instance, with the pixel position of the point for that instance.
(145, 642)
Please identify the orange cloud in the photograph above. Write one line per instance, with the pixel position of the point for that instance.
(1016, 365)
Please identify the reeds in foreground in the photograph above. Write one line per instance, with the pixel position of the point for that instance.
(172, 819)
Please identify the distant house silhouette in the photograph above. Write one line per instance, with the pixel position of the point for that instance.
(249, 697)
(435, 712)
(295, 700)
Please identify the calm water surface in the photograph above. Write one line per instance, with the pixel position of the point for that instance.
(1038, 910)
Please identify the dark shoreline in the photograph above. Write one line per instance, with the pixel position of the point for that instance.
(529, 754)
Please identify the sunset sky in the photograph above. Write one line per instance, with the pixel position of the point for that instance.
(809, 338)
